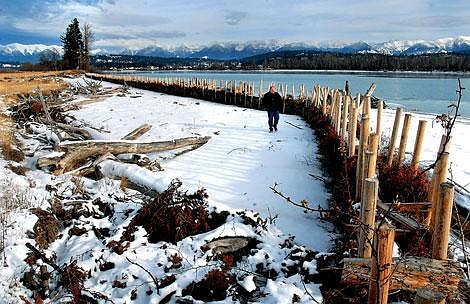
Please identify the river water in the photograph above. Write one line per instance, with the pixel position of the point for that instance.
(417, 92)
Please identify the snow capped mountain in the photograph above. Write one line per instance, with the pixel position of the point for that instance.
(23, 52)
(16, 52)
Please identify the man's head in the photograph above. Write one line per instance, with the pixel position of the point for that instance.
(272, 88)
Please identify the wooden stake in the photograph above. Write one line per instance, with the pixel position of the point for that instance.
(325, 101)
(393, 139)
(378, 128)
(368, 206)
(381, 264)
(366, 105)
(440, 236)
(418, 145)
(440, 171)
(404, 138)
(338, 113)
(361, 155)
(371, 157)
(352, 129)
(344, 124)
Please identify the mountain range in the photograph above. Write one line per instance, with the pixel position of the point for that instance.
(16, 52)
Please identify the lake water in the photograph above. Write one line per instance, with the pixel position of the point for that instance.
(418, 92)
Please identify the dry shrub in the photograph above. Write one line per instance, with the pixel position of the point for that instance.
(212, 288)
(171, 216)
(400, 183)
(46, 228)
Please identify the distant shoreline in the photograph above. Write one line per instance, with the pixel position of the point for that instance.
(290, 71)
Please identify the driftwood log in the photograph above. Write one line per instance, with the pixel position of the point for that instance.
(409, 273)
(75, 153)
(138, 132)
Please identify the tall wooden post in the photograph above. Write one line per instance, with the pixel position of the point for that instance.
(371, 156)
(368, 206)
(338, 113)
(440, 171)
(378, 128)
(440, 236)
(393, 139)
(260, 93)
(379, 281)
(325, 101)
(364, 137)
(418, 145)
(352, 129)
(344, 123)
(404, 138)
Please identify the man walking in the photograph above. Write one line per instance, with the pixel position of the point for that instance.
(272, 102)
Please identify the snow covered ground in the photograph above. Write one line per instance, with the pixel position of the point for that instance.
(238, 165)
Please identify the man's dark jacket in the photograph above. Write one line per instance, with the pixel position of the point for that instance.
(272, 102)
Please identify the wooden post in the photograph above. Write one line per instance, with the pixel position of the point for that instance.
(366, 105)
(364, 136)
(260, 93)
(404, 138)
(352, 129)
(426, 295)
(344, 123)
(338, 113)
(440, 171)
(368, 206)
(440, 236)
(393, 139)
(378, 128)
(371, 157)
(433, 179)
(418, 145)
(379, 281)
(325, 101)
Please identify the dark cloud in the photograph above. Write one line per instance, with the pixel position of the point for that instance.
(234, 17)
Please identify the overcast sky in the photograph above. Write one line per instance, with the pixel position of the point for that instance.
(139, 23)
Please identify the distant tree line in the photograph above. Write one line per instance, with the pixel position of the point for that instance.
(106, 62)
(370, 62)
(293, 60)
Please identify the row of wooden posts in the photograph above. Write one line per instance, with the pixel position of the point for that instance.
(375, 237)
(346, 115)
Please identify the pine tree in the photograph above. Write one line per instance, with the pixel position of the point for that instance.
(73, 45)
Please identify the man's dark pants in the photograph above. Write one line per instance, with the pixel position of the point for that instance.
(273, 119)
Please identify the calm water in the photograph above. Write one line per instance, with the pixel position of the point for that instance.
(428, 93)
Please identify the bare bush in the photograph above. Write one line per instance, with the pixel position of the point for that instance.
(13, 198)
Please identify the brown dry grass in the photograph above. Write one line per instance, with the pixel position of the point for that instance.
(13, 83)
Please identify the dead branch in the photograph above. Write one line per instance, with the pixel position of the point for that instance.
(293, 125)
(303, 204)
(155, 281)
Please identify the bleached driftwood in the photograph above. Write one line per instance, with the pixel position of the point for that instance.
(138, 132)
(77, 152)
(228, 244)
(138, 178)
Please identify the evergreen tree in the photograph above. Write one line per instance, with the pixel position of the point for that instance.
(73, 45)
